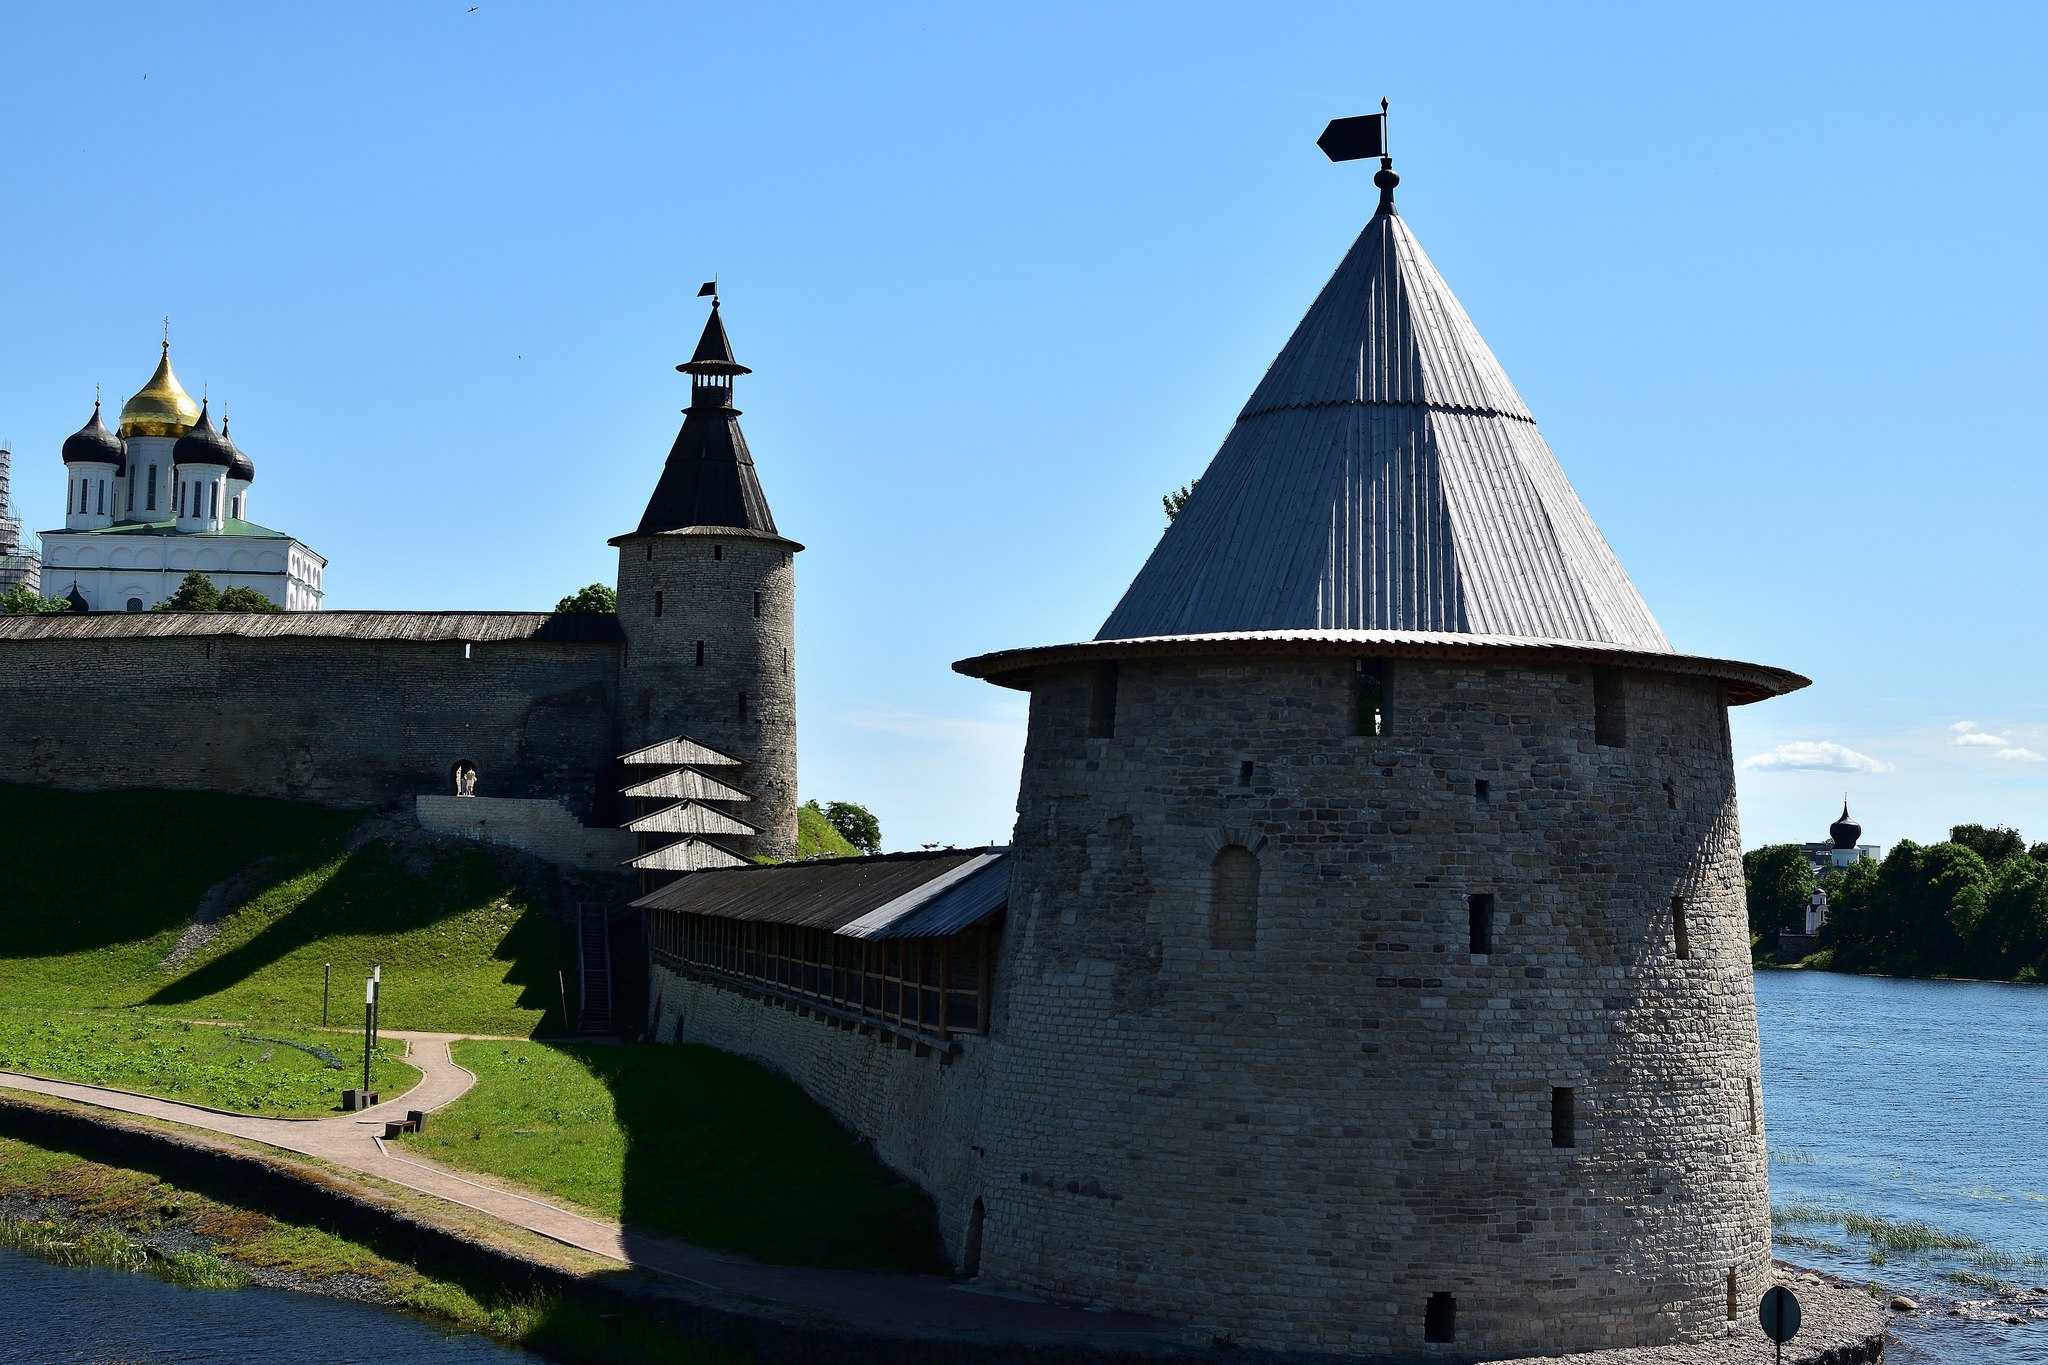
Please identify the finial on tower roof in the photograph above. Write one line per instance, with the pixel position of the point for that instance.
(1355, 139)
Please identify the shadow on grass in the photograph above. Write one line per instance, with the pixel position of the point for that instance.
(730, 1155)
(375, 894)
(64, 894)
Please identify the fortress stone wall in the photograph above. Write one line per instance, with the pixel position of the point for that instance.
(1304, 1137)
(93, 704)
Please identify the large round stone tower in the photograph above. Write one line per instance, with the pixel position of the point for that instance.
(707, 601)
(1377, 975)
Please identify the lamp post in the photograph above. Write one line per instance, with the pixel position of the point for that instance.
(369, 1023)
(376, 1003)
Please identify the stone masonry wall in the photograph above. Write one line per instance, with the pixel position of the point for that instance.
(545, 829)
(919, 1112)
(346, 722)
(702, 586)
(1302, 1141)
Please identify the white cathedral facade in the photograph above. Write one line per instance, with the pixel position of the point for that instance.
(164, 495)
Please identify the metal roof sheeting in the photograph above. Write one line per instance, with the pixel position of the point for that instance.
(1386, 476)
(950, 903)
(923, 893)
(481, 627)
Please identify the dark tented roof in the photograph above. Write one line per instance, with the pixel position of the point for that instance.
(894, 895)
(709, 479)
(418, 626)
(714, 350)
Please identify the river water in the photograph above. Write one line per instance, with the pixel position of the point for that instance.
(1923, 1104)
(1920, 1106)
(62, 1315)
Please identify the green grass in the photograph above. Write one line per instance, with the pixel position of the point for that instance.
(463, 947)
(196, 1063)
(687, 1141)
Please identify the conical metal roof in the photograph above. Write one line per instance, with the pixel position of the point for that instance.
(1386, 476)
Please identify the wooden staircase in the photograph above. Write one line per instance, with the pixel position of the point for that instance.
(594, 968)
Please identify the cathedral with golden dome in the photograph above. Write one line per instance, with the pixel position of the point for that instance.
(164, 494)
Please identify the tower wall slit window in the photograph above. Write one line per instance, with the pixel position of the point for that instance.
(1479, 913)
(1681, 941)
(700, 654)
(1564, 1129)
(1372, 697)
(1610, 708)
(1102, 702)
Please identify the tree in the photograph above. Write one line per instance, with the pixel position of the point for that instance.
(857, 824)
(595, 600)
(1993, 845)
(2014, 922)
(1173, 502)
(196, 593)
(245, 599)
(1779, 884)
(22, 600)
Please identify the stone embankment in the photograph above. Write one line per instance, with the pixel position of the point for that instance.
(774, 1314)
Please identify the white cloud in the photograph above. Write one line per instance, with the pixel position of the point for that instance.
(1962, 727)
(1807, 755)
(1980, 737)
(960, 734)
(2022, 755)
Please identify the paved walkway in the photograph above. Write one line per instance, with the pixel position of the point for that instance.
(355, 1142)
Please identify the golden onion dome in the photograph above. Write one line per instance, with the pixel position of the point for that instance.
(162, 407)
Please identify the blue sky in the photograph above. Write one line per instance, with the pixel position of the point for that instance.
(1769, 276)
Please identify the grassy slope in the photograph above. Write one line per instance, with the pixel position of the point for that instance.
(689, 1141)
(195, 1063)
(815, 836)
(461, 948)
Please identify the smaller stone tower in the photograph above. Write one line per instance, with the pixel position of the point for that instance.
(707, 601)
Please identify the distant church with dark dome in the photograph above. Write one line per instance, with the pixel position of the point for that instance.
(165, 494)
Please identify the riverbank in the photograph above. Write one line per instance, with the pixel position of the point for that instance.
(72, 1210)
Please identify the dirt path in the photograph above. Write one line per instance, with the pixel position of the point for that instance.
(355, 1142)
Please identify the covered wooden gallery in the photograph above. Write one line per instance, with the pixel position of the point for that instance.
(899, 942)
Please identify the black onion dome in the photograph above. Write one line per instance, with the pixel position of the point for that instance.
(239, 467)
(1845, 832)
(203, 444)
(94, 444)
